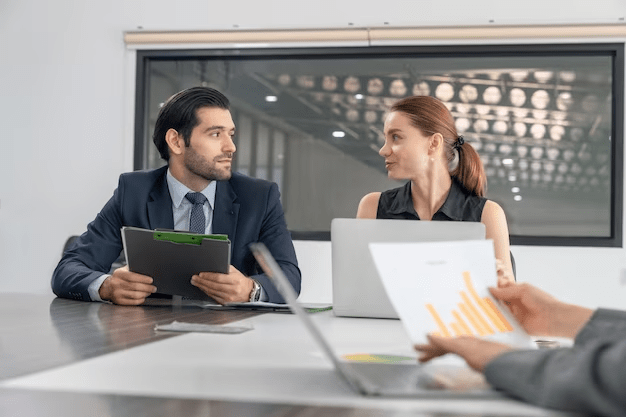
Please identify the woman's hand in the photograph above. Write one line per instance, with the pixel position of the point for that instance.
(504, 277)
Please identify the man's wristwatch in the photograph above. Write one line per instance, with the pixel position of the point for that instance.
(255, 294)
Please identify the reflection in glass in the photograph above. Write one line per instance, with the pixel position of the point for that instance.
(375, 86)
(564, 101)
(590, 103)
(481, 125)
(518, 75)
(553, 154)
(371, 116)
(397, 88)
(421, 89)
(492, 95)
(522, 151)
(520, 129)
(517, 97)
(462, 124)
(500, 127)
(538, 131)
(463, 108)
(540, 99)
(567, 76)
(483, 109)
(543, 76)
(444, 92)
(306, 81)
(468, 93)
(557, 132)
(540, 122)
(329, 83)
(536, 152)
(352, 84)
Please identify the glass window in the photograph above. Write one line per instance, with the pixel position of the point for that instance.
(545, 119)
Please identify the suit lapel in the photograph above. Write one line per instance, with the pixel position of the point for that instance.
(226, 211)
(160, 215)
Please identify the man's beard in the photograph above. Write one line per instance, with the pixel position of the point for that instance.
(205, 169)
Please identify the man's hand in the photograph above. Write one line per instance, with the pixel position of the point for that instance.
(233, 287)
(539, 313)
(126, 288)
(476, 352)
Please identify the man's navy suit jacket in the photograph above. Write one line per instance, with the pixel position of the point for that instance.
(246, 209)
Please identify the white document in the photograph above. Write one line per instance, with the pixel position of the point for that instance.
(441, 287)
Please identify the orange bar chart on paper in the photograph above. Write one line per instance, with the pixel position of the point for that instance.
(475, 316)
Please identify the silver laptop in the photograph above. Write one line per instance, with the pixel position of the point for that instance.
(381, 379)
(357, 288)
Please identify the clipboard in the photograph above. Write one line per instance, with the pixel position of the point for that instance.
(172, 257)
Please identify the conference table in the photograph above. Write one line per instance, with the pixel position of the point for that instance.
(63, 357)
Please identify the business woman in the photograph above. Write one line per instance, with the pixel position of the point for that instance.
(447, 179)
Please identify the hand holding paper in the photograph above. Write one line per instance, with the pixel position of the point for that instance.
(441, 288)
(476, 352)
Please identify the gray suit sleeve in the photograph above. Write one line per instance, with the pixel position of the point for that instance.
(590, 377)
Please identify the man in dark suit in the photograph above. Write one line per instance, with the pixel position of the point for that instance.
(196, 190)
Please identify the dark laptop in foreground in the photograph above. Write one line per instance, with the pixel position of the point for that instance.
(381, 379)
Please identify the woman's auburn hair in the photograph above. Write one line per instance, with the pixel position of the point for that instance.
(430, 115)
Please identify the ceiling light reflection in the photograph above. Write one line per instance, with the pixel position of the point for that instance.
(444, 92)
(421, 89)
(397, 88)
(462, 124)
(557, 132)
(492, 95)
(540, 99)
(543, 76)
(520, 129)
(518, 75)
(538, 131)
(517, 96)
(375, 86)
(468, 93)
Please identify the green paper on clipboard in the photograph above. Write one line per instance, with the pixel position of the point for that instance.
(182, 237)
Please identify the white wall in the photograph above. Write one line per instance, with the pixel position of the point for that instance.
(66, 114)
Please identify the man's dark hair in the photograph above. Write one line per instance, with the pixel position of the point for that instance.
(179, 113)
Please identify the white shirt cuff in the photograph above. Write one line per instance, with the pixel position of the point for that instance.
(94, 288)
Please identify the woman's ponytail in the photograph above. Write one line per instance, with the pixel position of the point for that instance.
(469, 170)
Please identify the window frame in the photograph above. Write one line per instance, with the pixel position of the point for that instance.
(614, 50)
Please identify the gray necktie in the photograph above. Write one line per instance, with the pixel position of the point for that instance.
(196, 220)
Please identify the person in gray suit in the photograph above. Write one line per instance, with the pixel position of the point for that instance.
(589, 377)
